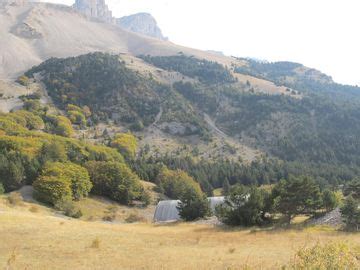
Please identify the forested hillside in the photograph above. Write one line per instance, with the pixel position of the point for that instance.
(313, 134)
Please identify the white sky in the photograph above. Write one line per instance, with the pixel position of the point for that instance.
(324, 34)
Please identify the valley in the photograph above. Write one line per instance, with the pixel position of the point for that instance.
(104, 122)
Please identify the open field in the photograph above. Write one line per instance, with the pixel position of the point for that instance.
(39, 240)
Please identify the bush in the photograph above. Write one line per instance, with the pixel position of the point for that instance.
(330, 200)
(133, 217)
(52, 152)
(52, 189)
(193, 206)
(12, 171)
(331, 256)
(68, 208)
(126, 143)
(296, 196)
(62, 182)
(60, 125)
(110, 214)
(15, 199)
(351, 213)
(77, 118)
(114, 180)
(243, 206)
(2, 189)
(175, 184)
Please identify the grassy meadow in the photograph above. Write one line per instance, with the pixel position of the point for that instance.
(33, 238)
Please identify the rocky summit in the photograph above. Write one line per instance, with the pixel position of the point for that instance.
(142, 23)
(94, 9)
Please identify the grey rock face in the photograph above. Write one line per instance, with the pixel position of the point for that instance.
(142, 23)
(12, 2)
(94, 9)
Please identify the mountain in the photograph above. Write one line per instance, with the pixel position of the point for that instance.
(178, 100)
(94, 9)
(142, 23)
(33, 32)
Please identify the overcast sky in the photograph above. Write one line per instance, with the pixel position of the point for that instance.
(324, 34)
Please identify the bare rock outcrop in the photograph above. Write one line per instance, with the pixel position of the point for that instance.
(141, 23)
(95, 9)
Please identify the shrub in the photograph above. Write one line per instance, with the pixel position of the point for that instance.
(175, 184)
(126, 143)
(96, 243)
(52, 189)
(62, 182)
(114, 180)
(77, 118)
(2, 189)
(52, 152)
(331, 256)
(351, 213)
(110, 214)
(68, 208)
(23, 80)
(60, 125)
(296, 196)
(243, 206)
(34, 209)
(12, 171)
(133, 217)
(330, 200)
(193, 205)
(15, 199)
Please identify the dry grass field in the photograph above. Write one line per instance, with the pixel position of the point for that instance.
(33, 238)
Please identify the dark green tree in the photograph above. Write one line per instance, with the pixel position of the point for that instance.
(243, 206)
(193, 205)
(296, 196)
(226, 187)
(351, 213)
(353, 188)
(329, 200)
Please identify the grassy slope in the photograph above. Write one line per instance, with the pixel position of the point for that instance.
(40, 241)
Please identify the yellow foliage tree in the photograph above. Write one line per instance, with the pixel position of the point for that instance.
(126, 144)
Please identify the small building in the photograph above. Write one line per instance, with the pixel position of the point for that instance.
(166, 211)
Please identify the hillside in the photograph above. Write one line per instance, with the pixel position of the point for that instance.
(183, 96)
(34, 32)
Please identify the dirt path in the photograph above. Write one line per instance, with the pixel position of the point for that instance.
(248, 154)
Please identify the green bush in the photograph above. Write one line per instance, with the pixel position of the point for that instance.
(351, 213)
(12, 171)
(62, 182)
(296, 196)
(329, 200)
(2, 189)
(243, 206)
(52, 189)
(175, 184)
(193, 206)
(53, 151)
(126, 144)
(114, 180)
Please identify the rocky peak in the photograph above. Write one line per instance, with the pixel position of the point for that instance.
(94, 9)
(142, 23)
(12, 2)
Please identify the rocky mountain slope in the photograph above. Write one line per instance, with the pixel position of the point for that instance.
(142, 23)
(33, 32)
(94, 9)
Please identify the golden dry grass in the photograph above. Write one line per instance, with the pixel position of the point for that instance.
(41, 241)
